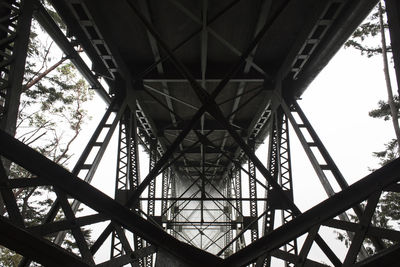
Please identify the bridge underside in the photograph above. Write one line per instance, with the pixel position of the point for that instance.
(199, 85)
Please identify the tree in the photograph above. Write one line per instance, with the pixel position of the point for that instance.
(365, 39)
(51, 116)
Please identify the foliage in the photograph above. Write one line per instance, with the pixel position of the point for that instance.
(51, 115)
(54, 104)
(390, 151)
(370, 41)
(383, 110)
(364, 37)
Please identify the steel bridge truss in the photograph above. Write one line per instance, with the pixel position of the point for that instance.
(200, 221)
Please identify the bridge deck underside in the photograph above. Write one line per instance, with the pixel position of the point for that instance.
(208, 38)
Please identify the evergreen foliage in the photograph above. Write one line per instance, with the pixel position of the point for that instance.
(51, 115)
(366, 40)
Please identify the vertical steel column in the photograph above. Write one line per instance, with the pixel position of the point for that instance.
(174, 205)
(228, 215)
(164, 192)
(15, 19)
(122, 180)
(152, 185)
(253, 195)
(239, 208)
(280, 167)
(269, 219)
(126, 181)
(134, 174)
(285, 179)
(152, 190)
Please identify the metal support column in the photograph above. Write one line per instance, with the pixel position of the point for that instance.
(174, 208)
(166, 177)
(280, 168)
(273, 166)
(285, 180)
(253, 196)
(151, 191)
(239, 208)
(126, 181)
(228, 215)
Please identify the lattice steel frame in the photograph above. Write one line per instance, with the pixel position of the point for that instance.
(29, 241)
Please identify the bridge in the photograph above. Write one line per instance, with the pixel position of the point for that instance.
(199, 85)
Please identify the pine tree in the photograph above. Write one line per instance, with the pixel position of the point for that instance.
(370, 40)
(364, 39)
(51, 116)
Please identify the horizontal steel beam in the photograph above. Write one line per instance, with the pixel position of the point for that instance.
(207, 150)
(204, 199)
(212, 76)
(209, 125)
(38, 164)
